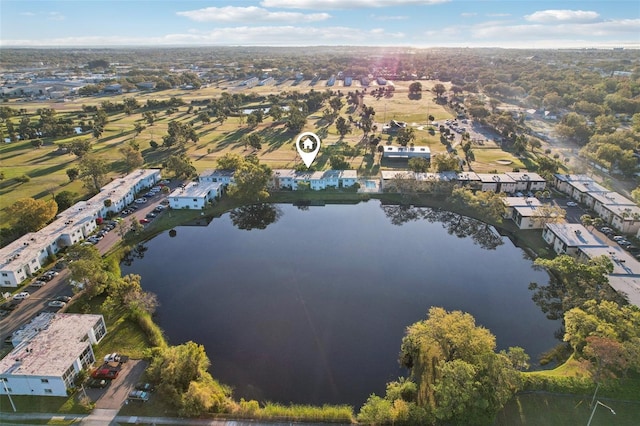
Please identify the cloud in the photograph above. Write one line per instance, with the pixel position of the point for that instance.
(468, 14)
(234, 36)
(388, 17)
(551, 16)
(497, 15)
(249, 14)
(344, 4)
(562, 32)
(27, 14)
(55, 16)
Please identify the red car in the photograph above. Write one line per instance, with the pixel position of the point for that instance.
(143, 221)
(105, 373)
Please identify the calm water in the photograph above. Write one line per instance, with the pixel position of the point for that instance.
(309, 304)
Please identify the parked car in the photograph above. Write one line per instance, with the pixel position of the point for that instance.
(572, 204)
(56, 304)
(52, 273)
(38, 283)
(21, 296)
(617, 238)
(97, 383)
(105, 373)
(116, 357)
(159, 208)
(165, 181)
(65, 299)
(147, 387)
(141, 200)
(139, 395)
(8, 306)
(151, 215)
(144, 221)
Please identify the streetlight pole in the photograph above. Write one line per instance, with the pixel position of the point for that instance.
(594, 411)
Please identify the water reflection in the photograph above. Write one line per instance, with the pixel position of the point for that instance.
(136, 252)
(255, 216)
(455, 224)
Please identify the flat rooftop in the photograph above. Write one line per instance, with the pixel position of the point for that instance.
(521, 201)
(623, 262)
(573, 178)
(50, 352)
(495, 178)
(575, 235)
(612, 198)
(195, 190)
(590, 187)
(525, 177)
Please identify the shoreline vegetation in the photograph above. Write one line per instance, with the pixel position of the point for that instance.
(570, 377)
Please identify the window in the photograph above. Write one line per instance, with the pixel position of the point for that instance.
(44, 380)
(48, 391)
(7, 282)
(4, 274)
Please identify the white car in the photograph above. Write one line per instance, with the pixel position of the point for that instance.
(21, 296)
(38, 283)
(141, 200)
(56, 304)
(572, 204)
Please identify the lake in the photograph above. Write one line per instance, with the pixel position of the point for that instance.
(309, 304)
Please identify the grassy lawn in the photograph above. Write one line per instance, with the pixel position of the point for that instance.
(123, 335)
(46, 170)
(561, 410)
(38, 404)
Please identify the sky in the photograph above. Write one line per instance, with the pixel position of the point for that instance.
(415, 23)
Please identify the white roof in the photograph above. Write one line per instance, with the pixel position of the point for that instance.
(573, 178)
(494, 178)
(631, 213)
(521, 201)
(612, 198)
(623, 262)
(392, 174)
(627, 285)
(16, 254)
(575, 235)
(308, 175)
(525, 177)
(195, 190)
(53, 349)
(218, 173)
(533, 211)
(119, 187)
(590, 187)
(468, 176)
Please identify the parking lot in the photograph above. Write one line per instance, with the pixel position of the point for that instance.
(116, 392)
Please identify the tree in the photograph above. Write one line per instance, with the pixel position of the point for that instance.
(445, 162)
(415, 88)
(276, 112)
(181, 166)
(342, 126)
(80, 147)
(406, 135)
(296, 120)
(518, 358)
(336, 104)
(37, 143)
(230, 161)
(88, 269)
(418, 164)
(254, 140)
(65, 199)
(72, 173)
(132, 158)
(586, 220)
(30, 215)
(251, 179)
(460, 379)
(138, 128)
(183, 381)
(93, 171)
(338, 162)
(439, 90)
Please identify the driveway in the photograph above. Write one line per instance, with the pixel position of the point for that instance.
(114, 396)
